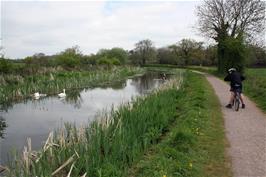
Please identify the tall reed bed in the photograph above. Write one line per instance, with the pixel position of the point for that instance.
(17, 87)
(107, 146)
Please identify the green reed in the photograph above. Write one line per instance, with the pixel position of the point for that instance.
(107, 146)
(16, 87)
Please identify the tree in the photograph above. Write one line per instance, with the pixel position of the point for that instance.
(5, 66)
(1, 52)
(70, 57)
(210, 55)
(257, 55)
(187, 47)
(188, 51)
(145, 50)
(230, 19)
(118, 53)
(166, 56)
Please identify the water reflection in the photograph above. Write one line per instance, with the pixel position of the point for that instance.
(3, 126)
(74, 98)
(148, 81)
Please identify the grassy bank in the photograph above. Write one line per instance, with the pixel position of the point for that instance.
(15, 87)
(107, 147)
(196, 142)
(254, 85)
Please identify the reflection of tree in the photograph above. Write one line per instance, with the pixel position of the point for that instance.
(118, 85)
(73, 97)
(6, 106)
(146, 82)
(3, 126)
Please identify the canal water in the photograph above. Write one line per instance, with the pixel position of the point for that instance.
(36, 118)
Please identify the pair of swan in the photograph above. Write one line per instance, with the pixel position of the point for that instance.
(37, 95)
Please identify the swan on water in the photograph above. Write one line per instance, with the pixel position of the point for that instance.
(36, 94)
(62, 94)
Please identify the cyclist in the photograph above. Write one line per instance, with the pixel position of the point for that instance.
(235, 79)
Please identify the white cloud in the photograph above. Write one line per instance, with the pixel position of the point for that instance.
(50, 27)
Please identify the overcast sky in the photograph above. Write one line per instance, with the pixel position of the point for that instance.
(29, 27)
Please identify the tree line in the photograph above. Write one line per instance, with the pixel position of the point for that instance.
(232, 24)
(183, 53)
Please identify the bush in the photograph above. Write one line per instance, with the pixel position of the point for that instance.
(5, 66)
(108, 61)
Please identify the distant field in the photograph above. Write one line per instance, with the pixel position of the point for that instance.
(255, 86)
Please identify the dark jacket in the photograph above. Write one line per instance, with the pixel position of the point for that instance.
(235, 79)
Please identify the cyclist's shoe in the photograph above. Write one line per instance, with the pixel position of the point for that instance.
(243, 106)
(229, 106)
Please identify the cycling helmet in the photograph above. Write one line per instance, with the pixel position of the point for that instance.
(231, 70)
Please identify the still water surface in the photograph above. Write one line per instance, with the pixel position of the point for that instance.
(36, 118)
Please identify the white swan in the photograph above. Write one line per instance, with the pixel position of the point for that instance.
(36, 95)
(62, 94)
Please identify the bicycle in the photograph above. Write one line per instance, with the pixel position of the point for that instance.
(236, 101)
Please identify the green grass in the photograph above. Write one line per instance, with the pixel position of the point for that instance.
(254, 86)
(195, 145)
(109, 146)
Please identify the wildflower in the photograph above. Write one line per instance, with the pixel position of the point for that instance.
(190, 165)
(164, 175)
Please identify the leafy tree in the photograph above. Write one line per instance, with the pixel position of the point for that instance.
(70, 57)
(235, 53)
(116, 52)
(257, 55)
(225, 20)
(5, 66)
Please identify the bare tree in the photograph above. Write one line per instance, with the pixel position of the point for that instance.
(184, 49)
(230, 22)
(1, 49)
(146, 50)
(221, 18)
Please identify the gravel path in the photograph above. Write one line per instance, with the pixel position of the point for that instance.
(246, 133)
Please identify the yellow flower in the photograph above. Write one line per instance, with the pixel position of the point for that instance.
(164, 175)
(190, 165)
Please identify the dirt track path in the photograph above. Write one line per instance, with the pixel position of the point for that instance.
(246, 133)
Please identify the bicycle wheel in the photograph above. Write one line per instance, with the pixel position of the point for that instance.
(236, 102)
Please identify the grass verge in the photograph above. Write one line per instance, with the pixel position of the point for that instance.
(195, 145)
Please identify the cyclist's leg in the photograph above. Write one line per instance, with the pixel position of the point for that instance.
(242, 98)
(232, 97)
(229, 105)
(242, 101)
